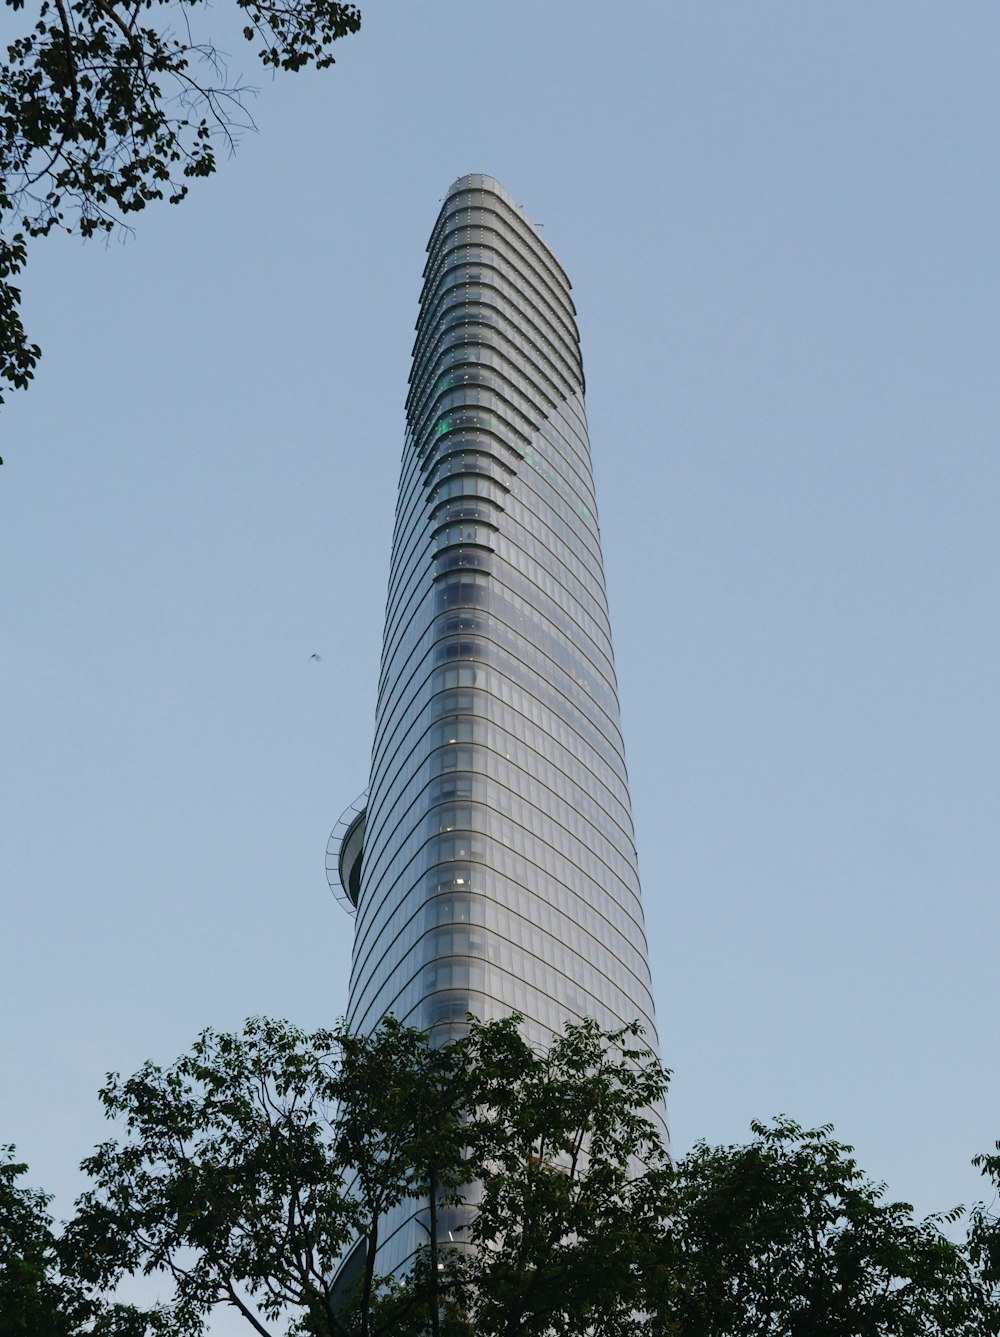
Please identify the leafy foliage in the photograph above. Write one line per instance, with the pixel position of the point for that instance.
(29, 1286)
(39, 1296)
(108, 105)
(249, 1167)
(574, 1181)
(786, 1237)
(984, 1232)
(251, 1164)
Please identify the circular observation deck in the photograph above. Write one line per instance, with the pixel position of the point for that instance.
(345, 851)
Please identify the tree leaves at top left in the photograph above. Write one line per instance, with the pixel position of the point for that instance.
(109, 105)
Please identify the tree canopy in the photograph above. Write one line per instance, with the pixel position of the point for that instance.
(31, 1298)
(787, 1237)
(41, 1294)
(251, 1165)
(245, 1172)
(109, 105)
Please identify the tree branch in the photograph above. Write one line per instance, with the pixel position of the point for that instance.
(69, 119)
(245, 1310)
(118, 21)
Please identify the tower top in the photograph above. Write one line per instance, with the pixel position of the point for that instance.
(483, 183)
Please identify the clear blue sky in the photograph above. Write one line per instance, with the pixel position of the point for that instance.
(781, 224)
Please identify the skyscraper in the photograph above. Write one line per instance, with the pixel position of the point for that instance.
(493, 869)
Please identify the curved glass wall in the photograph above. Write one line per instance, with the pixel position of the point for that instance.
(499, 869)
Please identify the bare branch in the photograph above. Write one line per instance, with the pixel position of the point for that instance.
(247, 1313)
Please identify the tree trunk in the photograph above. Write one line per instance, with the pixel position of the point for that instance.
(435, 1297)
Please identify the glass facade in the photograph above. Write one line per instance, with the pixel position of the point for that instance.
(498, 869)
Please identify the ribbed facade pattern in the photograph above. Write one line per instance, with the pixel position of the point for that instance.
(499, 869)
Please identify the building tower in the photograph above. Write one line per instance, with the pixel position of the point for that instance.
(493, 869)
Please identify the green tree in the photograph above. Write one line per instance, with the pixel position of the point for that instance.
(108, 105)
(574, 1182)
(39, 1296)
(786, 1237)
(984, 1230)
(250, 1165)
(248, 1168)
(30, 1290)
